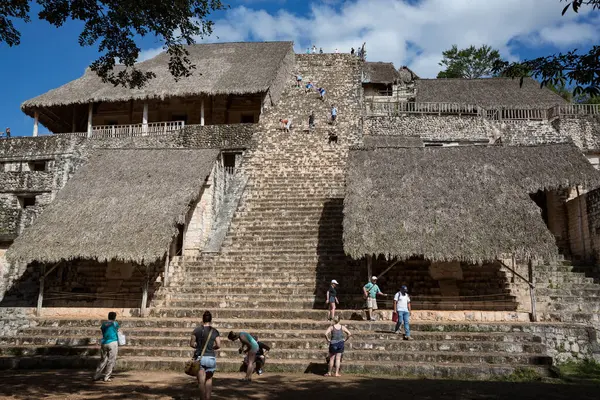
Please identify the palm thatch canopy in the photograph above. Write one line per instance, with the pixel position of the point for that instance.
(486, 92)
(456, 203)
(222, 68)
(380, 72)
(122, 204)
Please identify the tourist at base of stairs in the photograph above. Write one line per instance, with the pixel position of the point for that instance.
(286, 124)
(249, 346)
(333, 138)
(261, 357)
(370, 292)
(335, 337)
(109, 348)
(311, 121)
(402, 308)
(321, 92)
(331, 299)
(206, 340)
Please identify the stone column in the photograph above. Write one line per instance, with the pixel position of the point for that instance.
(89, 124)
(145, 119)
(35, 123)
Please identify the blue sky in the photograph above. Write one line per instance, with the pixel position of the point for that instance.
(406, 32)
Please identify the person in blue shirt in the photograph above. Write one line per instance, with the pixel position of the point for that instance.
(109, 348)
(333, 113)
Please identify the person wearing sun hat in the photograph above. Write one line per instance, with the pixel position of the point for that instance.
(370, 291)
(332, 299)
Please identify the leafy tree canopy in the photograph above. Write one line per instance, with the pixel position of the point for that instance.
(580, 70)
(112, 26)
(469, 63)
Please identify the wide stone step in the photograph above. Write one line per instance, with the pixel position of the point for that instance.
(570, 291)
(432, 370)
(284, 344)
(570, 316)
(41, 333)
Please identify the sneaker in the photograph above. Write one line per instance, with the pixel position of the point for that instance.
(107, 379)
(407, 338)
(260, 371)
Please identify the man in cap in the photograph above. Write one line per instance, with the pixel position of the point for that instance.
(370, 291)
(332, 299)
(402, 307)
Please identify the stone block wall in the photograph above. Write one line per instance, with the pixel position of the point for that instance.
(202, 216)
(14, 319)
(579, 229)
(583, 130)
(568, 342)
(433, 127)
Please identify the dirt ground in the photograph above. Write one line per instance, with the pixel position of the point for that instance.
(77, 385)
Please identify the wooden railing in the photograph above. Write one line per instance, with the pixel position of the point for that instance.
(579, 109)
(378, 106)
(153, 128)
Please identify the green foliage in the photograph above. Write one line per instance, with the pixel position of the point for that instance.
(561, 90)
(113, 25)
(522, 375)
(588, 370)
(580, 69)
(469, 63)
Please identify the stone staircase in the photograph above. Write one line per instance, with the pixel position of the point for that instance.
(566, 296)
(283, 247)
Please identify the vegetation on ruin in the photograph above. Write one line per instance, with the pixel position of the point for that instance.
(581, 70)
(586, 370)
(113, 27)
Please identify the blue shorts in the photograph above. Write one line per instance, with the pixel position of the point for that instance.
(332, 299)
(336, 348)
(208, 364)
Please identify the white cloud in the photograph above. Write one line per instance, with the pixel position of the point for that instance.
(430, 26)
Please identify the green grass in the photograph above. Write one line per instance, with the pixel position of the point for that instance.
(522, 375)
(586, 370)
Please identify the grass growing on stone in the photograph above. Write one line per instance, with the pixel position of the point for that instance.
(586, 370)
(522, 375)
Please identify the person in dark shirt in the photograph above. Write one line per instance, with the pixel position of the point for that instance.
(332, 299)
(311, 121)
(206, 340)
(260, 359)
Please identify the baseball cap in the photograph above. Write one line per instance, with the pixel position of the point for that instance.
(374, 278)
(404, 288)
(334, 281)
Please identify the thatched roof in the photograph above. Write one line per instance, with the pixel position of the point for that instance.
(406, 74)
(466, 203)
(380, 72)
(122, 204)
(222, 68)
(486, 92)
(374, 141)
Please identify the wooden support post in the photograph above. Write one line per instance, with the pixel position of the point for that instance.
(90, 114)
(581, 230)
(145, 119)
(36, 117)
(40, 300)
(167, 269)
(144, 296)
(202, 113)
(74, 120)
(369, 268)
(532, 291)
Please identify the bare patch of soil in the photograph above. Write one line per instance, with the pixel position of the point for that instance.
(77, 385)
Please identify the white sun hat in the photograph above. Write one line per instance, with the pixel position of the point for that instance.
(334, 281)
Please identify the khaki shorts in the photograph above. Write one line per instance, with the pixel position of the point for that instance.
(371, 303)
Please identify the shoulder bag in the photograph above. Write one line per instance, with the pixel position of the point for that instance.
(192, 367)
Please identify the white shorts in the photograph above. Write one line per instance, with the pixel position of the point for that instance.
(372, 303)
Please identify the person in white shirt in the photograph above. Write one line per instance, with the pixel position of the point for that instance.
(402, 307)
